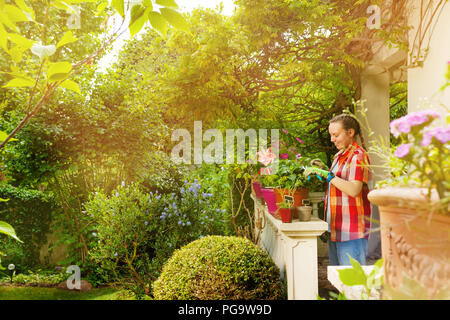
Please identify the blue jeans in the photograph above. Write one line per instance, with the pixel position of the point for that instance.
(337, 251)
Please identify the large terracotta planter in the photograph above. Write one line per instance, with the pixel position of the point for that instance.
(415, 241)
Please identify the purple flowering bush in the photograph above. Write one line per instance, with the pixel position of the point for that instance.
(423, 157)
(136, 232)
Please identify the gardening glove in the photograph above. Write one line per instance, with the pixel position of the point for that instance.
(319, 164)
(319, 173)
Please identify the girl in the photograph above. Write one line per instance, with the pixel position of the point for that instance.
(347, 208)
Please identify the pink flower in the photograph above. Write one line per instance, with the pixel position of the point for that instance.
(265, 171)
(393, 126)
(404, 124)
(299, 140)
(266, 157)
(403, 150)
(284, 156)
(298, 156)
(417, 118)
(284, 130)
(440, 133)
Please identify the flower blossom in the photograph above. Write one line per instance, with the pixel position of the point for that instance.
(266, 157)
(265, 171)
(404, 124)
(284, 156)
(403, 150)
(440, 133)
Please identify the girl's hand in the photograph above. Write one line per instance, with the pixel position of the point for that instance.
(317, 171)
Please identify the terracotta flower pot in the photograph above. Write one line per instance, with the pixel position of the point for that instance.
(285, 214)
(269, 197)
(415, 241)
(299, 195)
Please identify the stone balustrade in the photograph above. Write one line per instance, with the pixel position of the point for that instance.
(293, 248)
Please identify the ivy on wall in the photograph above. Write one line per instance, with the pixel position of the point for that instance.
(30, 212)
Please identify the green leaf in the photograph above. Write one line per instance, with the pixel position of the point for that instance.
(43, 51)
(379, 263)
(138, 18)
(354, 276)
(80, 1)
(7, 22)
(3, 136)
(16, 53)
(15, 14)
(101, 7)
(158, 22)
(71, 85)
(21, 41)
(68, 37)
(3, 38)
(19, 82)
(28, 11)
(175, 19)
(63, 5)
(147, 4)
(167, 3)
(59, 71)
(118, 5)
(8, 230)
(1, 199)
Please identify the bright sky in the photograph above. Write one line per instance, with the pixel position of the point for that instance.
(185, 6)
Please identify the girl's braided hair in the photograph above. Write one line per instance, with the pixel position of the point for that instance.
(349, 121)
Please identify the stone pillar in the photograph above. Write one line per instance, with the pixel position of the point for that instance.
(375, 83)
(293, 248)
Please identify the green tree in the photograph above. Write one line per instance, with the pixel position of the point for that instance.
(51, 71)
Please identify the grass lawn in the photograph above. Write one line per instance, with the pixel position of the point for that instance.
(40, 293)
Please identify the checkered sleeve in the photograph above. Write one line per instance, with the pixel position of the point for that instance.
(359, 169)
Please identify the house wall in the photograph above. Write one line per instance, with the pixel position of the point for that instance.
(424, 82)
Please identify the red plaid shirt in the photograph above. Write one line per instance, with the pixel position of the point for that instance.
(350, 216)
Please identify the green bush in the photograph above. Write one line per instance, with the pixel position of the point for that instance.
(137, 232)
(218, 267)
(30, 212)
(38, 278)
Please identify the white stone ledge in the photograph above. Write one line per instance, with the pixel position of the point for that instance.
(293, 248)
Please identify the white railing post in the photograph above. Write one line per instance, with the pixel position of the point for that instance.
(293, 248)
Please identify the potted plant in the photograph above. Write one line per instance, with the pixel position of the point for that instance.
(286, 210)
(291, 181)
(268, 193)
(414, 204)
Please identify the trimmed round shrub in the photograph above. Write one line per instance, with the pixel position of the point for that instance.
(219, 268)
